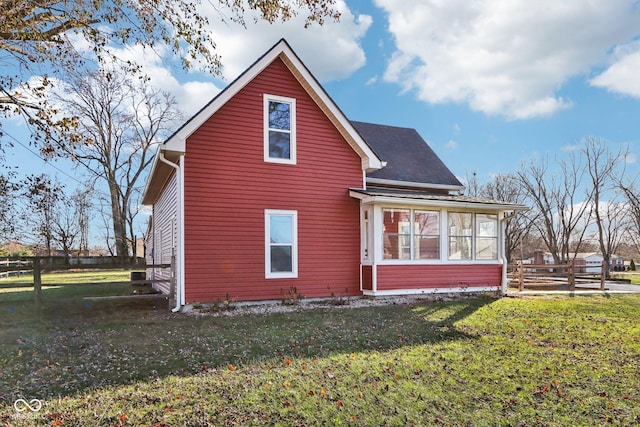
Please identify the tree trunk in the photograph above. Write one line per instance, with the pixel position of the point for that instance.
(119, 224)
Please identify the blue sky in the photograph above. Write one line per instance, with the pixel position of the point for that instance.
(489, 84)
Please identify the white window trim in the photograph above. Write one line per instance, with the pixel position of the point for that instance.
(267, 245)
(412, 235)
(377, 243)
(474, 238)
(292, 134)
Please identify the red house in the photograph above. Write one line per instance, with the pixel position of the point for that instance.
(270, 187)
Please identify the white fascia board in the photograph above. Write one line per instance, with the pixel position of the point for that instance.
(414, 184)
(370, 160)
(177, 142)
(154, 166)
(390, 200)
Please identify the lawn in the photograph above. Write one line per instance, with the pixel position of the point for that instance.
(72, 277)
(525, 362)
(633, 276)
(73, 284)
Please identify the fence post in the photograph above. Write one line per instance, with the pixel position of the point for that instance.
(572, 276)
(37, 281)
(520, 276)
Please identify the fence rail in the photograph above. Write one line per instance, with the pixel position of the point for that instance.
(38, 265)
(551, 274)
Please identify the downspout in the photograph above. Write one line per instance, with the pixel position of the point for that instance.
(505, 261)
(180, 202)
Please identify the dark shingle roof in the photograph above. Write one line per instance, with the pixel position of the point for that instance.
(409, 158)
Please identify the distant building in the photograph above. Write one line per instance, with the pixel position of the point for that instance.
(585, 262)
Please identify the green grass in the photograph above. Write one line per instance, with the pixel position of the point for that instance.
(67, 285)
(633, 276)
(72, 277)
(526, 362)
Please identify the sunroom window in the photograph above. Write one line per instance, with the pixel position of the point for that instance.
(460, 235)
(486, 236)
(473, 236)
(411, 234)
(279, 129)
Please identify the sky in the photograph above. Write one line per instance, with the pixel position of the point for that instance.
(488, 84)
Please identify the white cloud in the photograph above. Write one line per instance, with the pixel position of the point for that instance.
(331, 51)
(191, 95)
(451, 145)
(622, 76)
(371, 81)
(571, 148)
(456, 129)
(500, 57)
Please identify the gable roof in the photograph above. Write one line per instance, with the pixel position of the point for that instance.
(176, 143)
(410, 160)
(282, 50)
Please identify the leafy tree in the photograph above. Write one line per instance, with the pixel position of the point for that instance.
(40, 38)
(7, 206)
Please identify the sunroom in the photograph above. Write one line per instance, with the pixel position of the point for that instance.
(417, 242)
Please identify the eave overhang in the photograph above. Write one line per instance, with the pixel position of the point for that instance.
(159, 175)
(435, 200)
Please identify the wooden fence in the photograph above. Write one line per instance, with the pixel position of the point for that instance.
(38, 265)
(540, 275)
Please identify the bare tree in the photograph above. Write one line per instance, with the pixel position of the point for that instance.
(633, 211)
(65, 228)
(606, 169)
(121, 120)
(82, 203)
(557, 215)
(42, 195)
(507, 188)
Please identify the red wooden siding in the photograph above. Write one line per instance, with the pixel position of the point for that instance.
(400, 277)
(367, 277)
(228, 186)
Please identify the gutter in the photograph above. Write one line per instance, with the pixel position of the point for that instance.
(180, 297)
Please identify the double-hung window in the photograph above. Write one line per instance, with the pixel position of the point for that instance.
(411, 234)
(473, 236)
(281, 244)
(460, 235)
(279, 129)
(486, 236)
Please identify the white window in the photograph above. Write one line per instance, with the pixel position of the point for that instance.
(400, 242)
(473, 236)
(279, 129)
(486, 236)
(281, 244)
